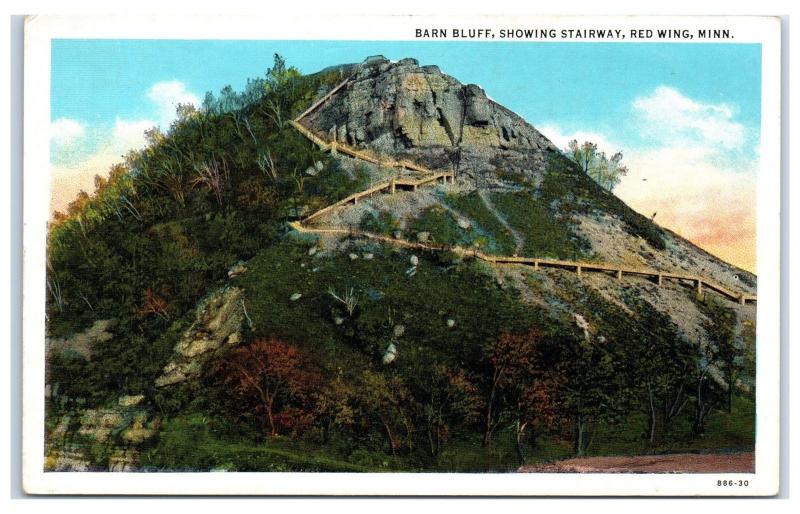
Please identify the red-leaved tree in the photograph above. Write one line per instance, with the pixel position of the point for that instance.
(537, 408)
(278, 380)
(513, 362)
(155, 304)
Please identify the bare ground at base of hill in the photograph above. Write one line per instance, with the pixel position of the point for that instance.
(742, 462)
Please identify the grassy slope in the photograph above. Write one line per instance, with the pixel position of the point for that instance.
(544, 235)
(387, 295)
(541, 213)
(200, 241)
(565, 190)
(499, 240)
(382, 284)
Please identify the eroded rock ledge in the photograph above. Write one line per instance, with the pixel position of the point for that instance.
(218, 322)
(419, 113)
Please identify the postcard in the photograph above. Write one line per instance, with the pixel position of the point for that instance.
(418, 255)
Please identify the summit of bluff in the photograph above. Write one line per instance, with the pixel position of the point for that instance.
(254, 293)
(417, 112)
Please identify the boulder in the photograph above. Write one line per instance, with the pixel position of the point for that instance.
(390, 354)
(237, 269)
(218, 320)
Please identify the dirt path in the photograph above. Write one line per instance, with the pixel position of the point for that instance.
(743, 462)
(483, 194)
(518, 239)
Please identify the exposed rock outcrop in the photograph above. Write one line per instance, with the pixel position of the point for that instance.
(218, 323)
(118, 430)
(82, 342)
(417, 112)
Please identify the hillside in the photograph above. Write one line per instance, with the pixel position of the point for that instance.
(213, 306)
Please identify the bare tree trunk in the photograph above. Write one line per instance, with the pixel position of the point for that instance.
(730, 392)
(271, 421)
(652, 413)
(580, 428)
(702, 409)
(520, 434)
(390, 436)
(270, 402)
(487, 435)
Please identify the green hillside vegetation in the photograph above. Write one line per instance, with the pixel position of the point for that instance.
(545, 235)
(366, 357)
(500, 241)
(566, 190)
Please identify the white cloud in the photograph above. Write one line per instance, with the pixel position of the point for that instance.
(79, 154)
(68, 140)
(693, 176)
(129, 135)
(669, 116)
(64, 131)
(69, 179)
(561, 138)
(166, 96)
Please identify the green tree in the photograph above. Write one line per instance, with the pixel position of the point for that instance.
(660, 364)
(584, 155)
(387, 401)
(592, 389)
(448, 400)
(728, 350)
(607, 172)
(513, 365)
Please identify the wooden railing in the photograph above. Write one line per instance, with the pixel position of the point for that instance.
(390, 186)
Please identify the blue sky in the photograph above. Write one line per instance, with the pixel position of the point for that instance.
(686, 104)
(574, 84)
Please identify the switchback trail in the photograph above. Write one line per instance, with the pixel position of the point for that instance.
(432, 177)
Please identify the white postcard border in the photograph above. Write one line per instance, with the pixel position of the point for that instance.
(40, 31)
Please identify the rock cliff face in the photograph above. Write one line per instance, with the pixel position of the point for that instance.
(401, 110)
(417, 112)
(219, 320)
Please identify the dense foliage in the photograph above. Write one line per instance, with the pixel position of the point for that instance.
(361, 356)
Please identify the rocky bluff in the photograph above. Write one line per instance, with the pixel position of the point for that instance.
(405, 110)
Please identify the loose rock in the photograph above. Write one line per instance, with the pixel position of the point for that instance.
(390, 354)
(237, 269)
